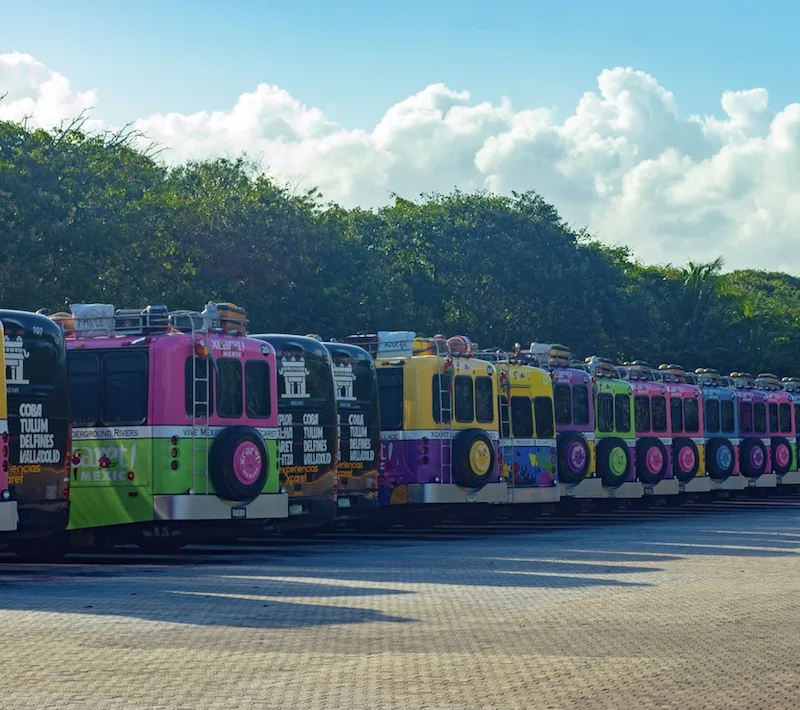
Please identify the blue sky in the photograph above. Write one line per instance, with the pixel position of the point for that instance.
(354, 59)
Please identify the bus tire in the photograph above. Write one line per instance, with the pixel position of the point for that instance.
(613, 461)
(720, 458)
(781, 455)
(753, 455)
(685, 459)
(651, 460)
(473, 458)
(573, 457)
(238, 463)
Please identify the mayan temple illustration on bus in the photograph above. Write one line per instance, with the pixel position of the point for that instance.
(294, 373)
(344, 378)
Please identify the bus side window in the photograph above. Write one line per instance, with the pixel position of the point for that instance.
(257, 390)
(201, 366)
(727, 418)
(229, 388)
(580, 404)
(691, 415)
(641, 413)
(484, 399)
(659, 406)
(441, 397)
(773, 417)
(605, 412)
(543, 414)
(521, 418)
(563, 404)
(712, 415)
(676, 414)
(797, 418)
(786, 418)
(465, 399)
(622, 413)
(759, 418)
(746, 417)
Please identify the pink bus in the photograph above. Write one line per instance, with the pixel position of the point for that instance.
(780, 425)
(175, 427)
(653, 456)
(754, 447)
(686, 426)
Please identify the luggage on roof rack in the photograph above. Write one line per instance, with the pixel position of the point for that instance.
(232, 318)
(145, 321)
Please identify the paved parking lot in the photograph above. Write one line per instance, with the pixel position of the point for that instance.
(692, 612)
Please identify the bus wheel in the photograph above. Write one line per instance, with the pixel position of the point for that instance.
(473, 458)
(48, 549)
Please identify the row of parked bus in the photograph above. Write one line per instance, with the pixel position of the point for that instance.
(159, 428)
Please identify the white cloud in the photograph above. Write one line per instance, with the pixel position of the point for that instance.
(626, 163)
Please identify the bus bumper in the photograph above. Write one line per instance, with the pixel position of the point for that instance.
(209, 507)
(533, 494)
(790, 478)
(452, 493)
(667, 487)
(594, 488)
(8, 516)
(356, 504)
(41, 518)
(765, 480)
(731, 483)
(699, 484)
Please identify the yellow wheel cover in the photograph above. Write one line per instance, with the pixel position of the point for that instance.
(480, 458)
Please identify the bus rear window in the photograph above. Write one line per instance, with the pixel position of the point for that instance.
(465, 399)
(691, 415)
(746, 417)
(712, 415)
(390, 388)
(622, 413)
(543, 413)
(773, 417)
(124, 399)
(641, 410)
(605, 412)
(257, 389)
(786, 418)
(676, 415)
(659, 404)
(484, 399)
(563, 404)
(521, 418)
(229, 388)
(759, 418)
(580, 404)
(108, 388)
(30, 362)
(727, 418)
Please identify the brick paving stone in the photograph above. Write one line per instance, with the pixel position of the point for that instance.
(689, 612)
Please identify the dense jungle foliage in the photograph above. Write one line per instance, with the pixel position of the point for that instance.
(89, 218)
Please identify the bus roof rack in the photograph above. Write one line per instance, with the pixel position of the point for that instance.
(102, 320)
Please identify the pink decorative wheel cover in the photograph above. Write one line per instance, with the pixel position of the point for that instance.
(247, 463)
(686, 459)
(783, 456)
(654, 460)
